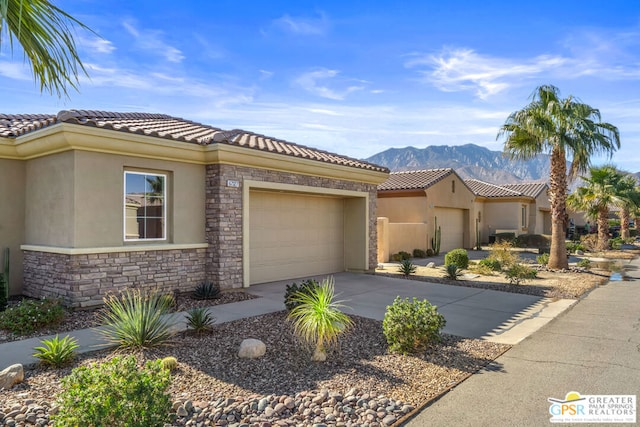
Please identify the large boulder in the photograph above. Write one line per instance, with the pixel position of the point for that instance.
(14, 374)
(252, 348)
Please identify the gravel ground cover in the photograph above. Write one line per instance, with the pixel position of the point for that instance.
(360, 384)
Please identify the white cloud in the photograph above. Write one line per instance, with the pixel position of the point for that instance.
(464, 69)
(96, 44)
(303, 26)
(15, 70)
(312, 82)
(151, 40)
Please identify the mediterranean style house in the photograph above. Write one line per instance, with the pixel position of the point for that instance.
(412, 204)
(95, 202)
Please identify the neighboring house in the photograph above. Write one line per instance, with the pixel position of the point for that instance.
(95, 202)
(515, 208)
(411, 203)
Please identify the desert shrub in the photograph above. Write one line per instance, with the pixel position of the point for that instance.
(543, 259)
(572, 247)
(501, 251)
(584, 263)
(137, 319)
(518, 273)
(406, 268)
(317, 318)
(57, 351)
(31, 315)
(199, 319)
(589, 241)
(430, 252)
(633, 232)
(169, 363)
(306, 286)
(458, 257)
(115, 393)
(484, 270)
(206, 290)
(452, 271)
(616, 243)
(505, 237)
(411, 325)
(491, 263)
(419, 253)
(533, 241)
(404, 255)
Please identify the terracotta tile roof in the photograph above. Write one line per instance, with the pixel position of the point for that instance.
(413, 180)
(177, 129)
(531, 189)
(485, 189)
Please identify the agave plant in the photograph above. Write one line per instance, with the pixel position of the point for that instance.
(453, 272)
(57, 351)
(137, 320)
(206, 290)
(200, 319)
(406, 268)
(317, 318)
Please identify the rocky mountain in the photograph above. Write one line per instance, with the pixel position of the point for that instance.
(469, 161)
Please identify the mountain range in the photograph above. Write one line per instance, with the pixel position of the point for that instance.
(469, 161)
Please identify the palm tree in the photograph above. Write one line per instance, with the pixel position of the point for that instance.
(631, 203)
(567, 130)
(45, 33)
(605, 188)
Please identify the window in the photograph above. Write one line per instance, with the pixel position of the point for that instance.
(453, 186)
(145, 208)
(524, 216)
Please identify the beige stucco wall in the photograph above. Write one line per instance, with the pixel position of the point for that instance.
(411, 209)
(501, 216)
(12, 219)
(74, 199)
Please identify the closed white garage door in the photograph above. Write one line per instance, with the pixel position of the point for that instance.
(451, 222)
(293, 235)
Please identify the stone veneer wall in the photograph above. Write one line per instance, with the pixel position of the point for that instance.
(83, 280)
(224, 216)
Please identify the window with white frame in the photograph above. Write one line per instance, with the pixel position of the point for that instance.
(145, 207)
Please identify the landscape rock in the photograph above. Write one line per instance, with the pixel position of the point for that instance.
(431, 265)
(252, 348)
(10, 376)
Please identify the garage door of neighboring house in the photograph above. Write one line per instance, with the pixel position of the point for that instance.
(294, 235)
(451, 222)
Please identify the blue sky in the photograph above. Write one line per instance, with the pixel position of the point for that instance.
(352, 77)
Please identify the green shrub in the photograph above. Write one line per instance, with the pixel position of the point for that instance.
(169, 363)
(419, 253)
(491, 263)
(137, 319)
(484, 270)
(543, 259)
(206, 290)
(584, 263)
(573, 247)
(406, 268)
(452, 271)
(458, 257)
(616, 243)
(404, 255)
(505, 237)
(199, 320)
(31, 315)
(56, 352)
(410, 326)
(317, 318)
(115, 393)
(306, 286)
(501, 251)
(429, 252)
(633, 232)
(518, 273)
(533, 241)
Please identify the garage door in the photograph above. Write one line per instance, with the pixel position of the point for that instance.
(451, 222)
(293, 235)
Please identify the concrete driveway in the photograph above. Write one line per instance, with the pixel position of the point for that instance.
(473, 313)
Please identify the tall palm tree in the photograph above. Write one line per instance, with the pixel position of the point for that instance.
(45, 33)
(568, 130)
(630, 203)
(606, 187)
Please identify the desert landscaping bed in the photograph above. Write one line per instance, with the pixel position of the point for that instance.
(360, 383)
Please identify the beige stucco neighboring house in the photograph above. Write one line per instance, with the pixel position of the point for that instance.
(96, 202)
(522, 208)
(411, 203)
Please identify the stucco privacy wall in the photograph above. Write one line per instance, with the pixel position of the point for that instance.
(224, 215)
(12, 193)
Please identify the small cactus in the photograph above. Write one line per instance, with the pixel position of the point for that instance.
(170, 363)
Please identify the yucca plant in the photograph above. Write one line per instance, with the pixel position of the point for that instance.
(200, 319)
(57, 351)
(406, 268)
(317, 318)
(453, 272)
(137, 319)
(206, 290)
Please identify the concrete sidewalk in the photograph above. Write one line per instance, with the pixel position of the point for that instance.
(593, 348)
(474, 313)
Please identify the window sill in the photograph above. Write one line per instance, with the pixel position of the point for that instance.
(112, 249)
